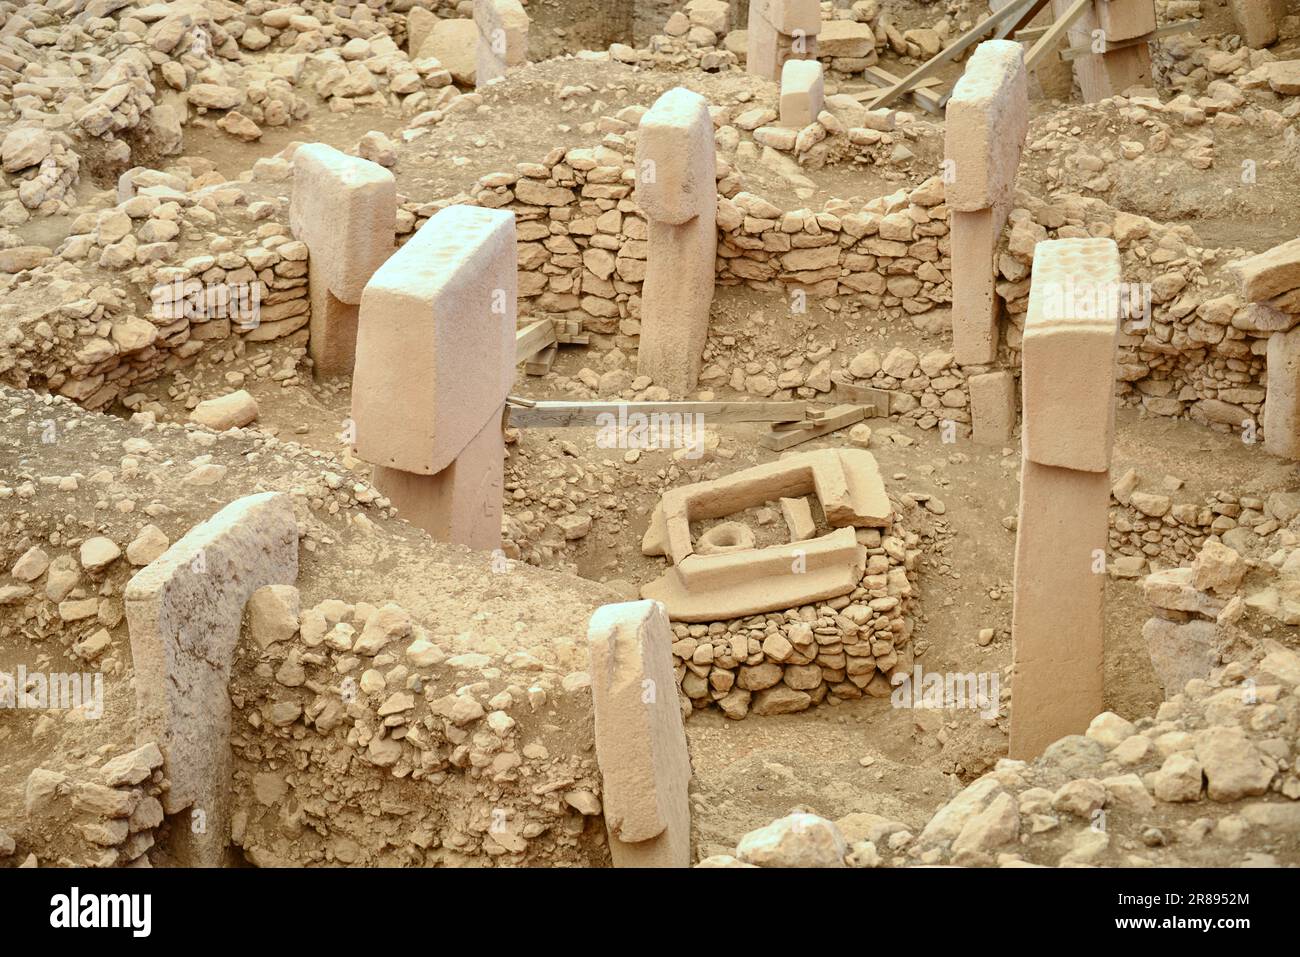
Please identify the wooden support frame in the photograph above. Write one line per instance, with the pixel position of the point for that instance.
(925, 99)
(534, 338)
(959, 46)
(778, 439)
(1048, 40)
(1169, 29)
(537, 344)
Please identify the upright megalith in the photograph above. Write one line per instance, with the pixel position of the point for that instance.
(1271, 281)
(1068, 382)
(345, 209)
(676, 188)
(184, 611)
(435, 363)
(987, 120)
(781, 30)
(993, 407)
(1257, 20)
(640, 740)
(802, 92)
(502, 38)
(1112, 36)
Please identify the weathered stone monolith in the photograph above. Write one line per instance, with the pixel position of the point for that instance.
(345, 209)
(987, 119)
(676, 188)
(1068, 383)
(502, 38)
(435, 363)
(780, 30)
(184, 611)
(640, 741)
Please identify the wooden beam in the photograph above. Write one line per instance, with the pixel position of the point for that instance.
(835, 419)
(1016, 26)
(1048, 40)
(534, 338)
(847, 389)
(923, 98)
(542, 414)
(1169, 29)
(1029, 34)
(541, 363)
(954, 50)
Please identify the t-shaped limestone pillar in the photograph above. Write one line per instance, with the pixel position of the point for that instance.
(184, 611)
(781, 30)
(640, 742)
(1271, 280)
(1068, 381)
(345, 209)
(502, 38)
(435, 363)
(1112, 68)
(677, 189)
(987, 119)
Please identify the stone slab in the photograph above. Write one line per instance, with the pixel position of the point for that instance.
(436, 341)
(1069, 354)
(1058, 616)
(184, 611)
(640, 741)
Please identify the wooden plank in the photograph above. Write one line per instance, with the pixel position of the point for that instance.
(950, 53)
(862, 394)
(541, 363)
(1048, 40)
(559, 415)
(533, 338)
(923, 98)
(1016, 27)
(1169, 29)
(837, 418)
(1030, 34)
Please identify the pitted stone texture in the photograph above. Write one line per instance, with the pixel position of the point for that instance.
(640, 741)
(1069, 354)
(436, 342)
(184, 611)
(987, 119)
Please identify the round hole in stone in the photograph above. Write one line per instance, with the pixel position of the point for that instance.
(725, 537)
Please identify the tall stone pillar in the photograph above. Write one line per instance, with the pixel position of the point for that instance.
(676, 188)
(345, 209)
(1068, 385)
(640, 740)
(781, 30)
(502, 38)
(435, 363)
